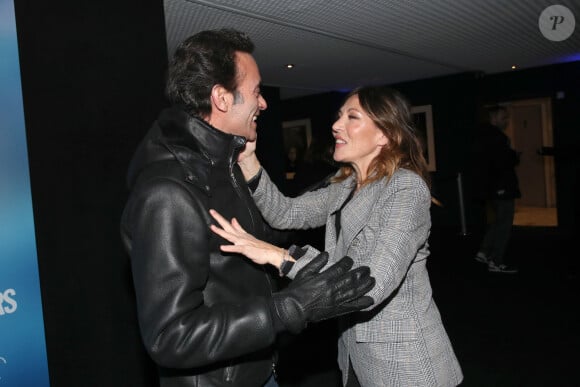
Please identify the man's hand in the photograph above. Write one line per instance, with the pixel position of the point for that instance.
(314, 295)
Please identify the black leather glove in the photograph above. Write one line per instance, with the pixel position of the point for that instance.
(314, 295)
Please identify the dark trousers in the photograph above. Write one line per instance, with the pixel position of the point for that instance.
(500, 217)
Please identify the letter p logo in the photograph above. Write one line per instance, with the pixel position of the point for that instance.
(557, 20)
(556, 23)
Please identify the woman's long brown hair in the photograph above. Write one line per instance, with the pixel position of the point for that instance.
(391, 113)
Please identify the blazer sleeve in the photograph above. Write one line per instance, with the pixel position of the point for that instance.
(306, 211)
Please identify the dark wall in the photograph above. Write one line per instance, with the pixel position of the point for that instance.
(92, 74)
(321, 109)
(270, 148)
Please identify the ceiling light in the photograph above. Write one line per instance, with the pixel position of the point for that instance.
(514, 67)
(289, 65)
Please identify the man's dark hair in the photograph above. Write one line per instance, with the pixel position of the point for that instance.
(202, 61)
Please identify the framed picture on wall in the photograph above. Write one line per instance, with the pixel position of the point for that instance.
(297, 136)
(423, 119)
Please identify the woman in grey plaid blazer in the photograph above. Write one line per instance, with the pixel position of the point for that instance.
(377, 212)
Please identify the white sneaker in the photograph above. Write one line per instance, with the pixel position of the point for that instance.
(481, 257)
(501, 268)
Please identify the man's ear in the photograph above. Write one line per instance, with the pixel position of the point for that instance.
(221, 99)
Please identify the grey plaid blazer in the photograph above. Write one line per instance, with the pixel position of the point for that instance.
(400, 340)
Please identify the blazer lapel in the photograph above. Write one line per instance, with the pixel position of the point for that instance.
(357, 212)
(343, 189)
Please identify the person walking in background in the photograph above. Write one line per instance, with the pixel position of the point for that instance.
(210, 318)
(496, 186)
(376, 210)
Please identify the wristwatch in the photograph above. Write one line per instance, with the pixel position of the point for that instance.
(286, 265)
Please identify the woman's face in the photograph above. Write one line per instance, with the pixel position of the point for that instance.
(357, 139)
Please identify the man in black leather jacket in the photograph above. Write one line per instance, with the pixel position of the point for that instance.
(209, 318)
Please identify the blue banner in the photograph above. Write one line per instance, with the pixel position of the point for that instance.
(22, 344)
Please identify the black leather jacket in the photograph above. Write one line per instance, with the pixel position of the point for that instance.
(204, 315)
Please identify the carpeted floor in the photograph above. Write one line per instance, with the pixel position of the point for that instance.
(507, 329)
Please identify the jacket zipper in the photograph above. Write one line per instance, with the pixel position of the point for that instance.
(238, 188)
